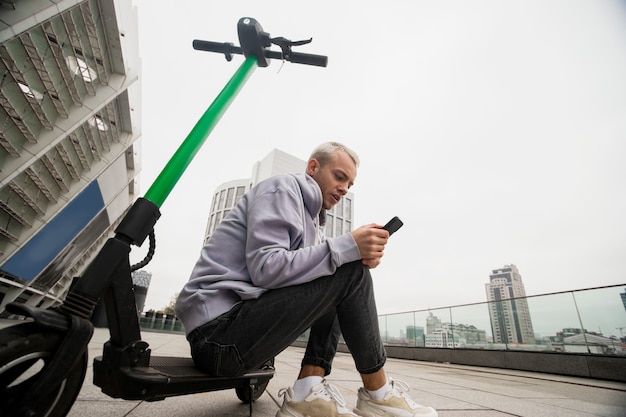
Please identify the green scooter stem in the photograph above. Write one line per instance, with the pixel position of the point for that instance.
(181, 159)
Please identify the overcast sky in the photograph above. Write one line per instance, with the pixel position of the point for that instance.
(496, 130)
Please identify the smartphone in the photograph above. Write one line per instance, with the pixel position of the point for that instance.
(393, 225)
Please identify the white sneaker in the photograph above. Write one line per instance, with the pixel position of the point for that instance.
(325, 400)
(396, 403)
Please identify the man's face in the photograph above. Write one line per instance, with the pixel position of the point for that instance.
(335, 178)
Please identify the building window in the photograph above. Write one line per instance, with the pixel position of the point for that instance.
(30, 92)
(220, 205)
(330, 220)
(218, 219)
(79, 67)
(338, 227)
(347, 213)
(240, 193)
(339, 209)
(212, 223)
(97, 122)
(214, 205)
(229, 197)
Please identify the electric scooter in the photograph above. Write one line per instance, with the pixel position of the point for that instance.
(43, 360)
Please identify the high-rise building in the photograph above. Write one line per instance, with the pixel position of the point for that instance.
(508, 307)
(141, 283)
(69, 122)
(227, 195)
(433, 323)
(415, 335)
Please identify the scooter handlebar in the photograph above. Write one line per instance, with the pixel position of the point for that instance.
(228, 49)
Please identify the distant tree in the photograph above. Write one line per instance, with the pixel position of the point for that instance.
(169, 309)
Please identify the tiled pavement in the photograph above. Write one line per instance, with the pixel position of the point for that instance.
(455, 391)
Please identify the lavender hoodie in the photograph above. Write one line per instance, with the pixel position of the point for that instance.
(271, 239)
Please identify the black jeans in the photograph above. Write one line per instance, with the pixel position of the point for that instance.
(255, 331)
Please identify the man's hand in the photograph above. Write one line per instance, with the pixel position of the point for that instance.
(371, 240)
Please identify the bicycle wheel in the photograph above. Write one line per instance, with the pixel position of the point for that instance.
(25, 351)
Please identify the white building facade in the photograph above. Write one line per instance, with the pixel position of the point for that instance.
(69, 127)
(339, 219)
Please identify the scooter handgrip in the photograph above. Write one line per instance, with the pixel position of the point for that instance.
(221, 47)
(308, 59)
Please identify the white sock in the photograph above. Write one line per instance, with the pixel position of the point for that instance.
(302, 387)
(379, 394)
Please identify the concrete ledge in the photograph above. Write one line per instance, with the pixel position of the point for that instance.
(607, 367)
(587, 365)
(549, 362)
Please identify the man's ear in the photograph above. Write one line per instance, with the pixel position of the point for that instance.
(312, 166)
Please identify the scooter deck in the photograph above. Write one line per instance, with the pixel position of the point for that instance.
(180, 367)
(166, 377)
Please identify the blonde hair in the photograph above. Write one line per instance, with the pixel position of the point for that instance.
(324, 152)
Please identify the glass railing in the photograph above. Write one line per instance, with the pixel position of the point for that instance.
(590, 320)
(160, 322)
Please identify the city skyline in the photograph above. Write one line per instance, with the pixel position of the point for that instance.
(563, 317)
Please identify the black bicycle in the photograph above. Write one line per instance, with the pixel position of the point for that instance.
(43, 360)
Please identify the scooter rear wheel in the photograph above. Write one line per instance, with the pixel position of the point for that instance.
(25, 351)
(248, 395)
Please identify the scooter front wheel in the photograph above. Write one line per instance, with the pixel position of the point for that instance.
(25, 351)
